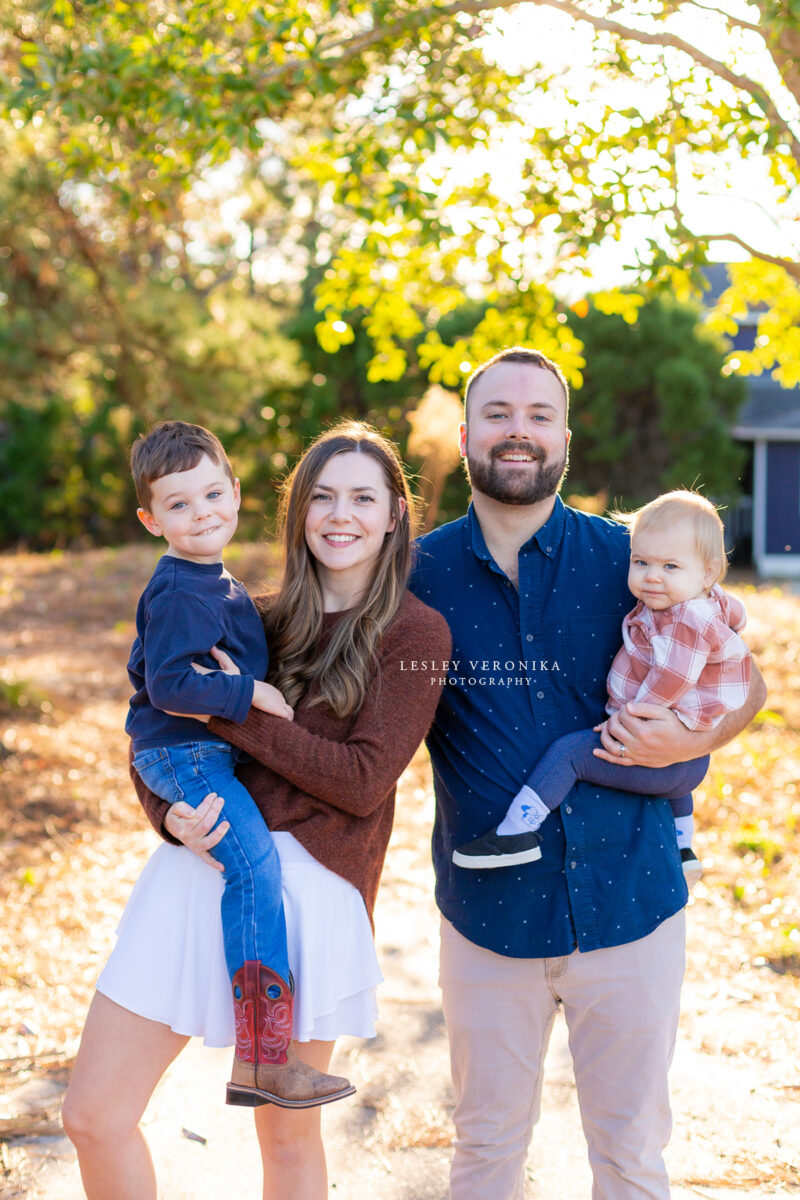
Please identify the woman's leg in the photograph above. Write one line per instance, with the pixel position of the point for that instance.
(291, 1140)
(121, 1058)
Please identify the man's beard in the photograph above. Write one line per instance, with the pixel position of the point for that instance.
(520, 486)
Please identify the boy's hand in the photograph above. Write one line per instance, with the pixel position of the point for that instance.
(269, 700)
(195, 827)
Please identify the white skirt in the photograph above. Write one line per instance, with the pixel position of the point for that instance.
(169, 961)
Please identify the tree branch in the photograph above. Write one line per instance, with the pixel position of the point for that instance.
(789, 265)
(715, 66)
(736, 22)
(349, 48)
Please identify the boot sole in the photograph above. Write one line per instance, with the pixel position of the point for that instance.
(692, 873)
(247, 1097)
(490, 862)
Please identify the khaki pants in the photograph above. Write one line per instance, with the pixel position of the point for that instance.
(621, 1007)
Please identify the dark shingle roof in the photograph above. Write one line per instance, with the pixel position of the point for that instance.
(769, 407)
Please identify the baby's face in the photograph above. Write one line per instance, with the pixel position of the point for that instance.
(666, 568)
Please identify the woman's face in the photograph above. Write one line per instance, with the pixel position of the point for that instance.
(348, 518)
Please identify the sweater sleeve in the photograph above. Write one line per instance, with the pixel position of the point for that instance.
(180, 627)
(154, 807)
(356, 774)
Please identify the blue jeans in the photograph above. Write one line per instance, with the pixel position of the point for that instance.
(571, 759)
(253, 923)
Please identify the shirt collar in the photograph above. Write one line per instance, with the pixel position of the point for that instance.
(547, 539)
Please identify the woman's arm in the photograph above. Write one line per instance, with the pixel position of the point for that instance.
(356, 774)
(155, 808)
(181, 824)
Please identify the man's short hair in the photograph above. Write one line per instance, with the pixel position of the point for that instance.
(517, 354)
(172, 446)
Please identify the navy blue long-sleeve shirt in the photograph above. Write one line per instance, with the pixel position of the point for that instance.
(186, 609)
(527, 667)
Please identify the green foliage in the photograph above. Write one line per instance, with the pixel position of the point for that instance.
(769, 290)
(264, 216)
(62, 475)
(374, 108)
(654, 411)
(108, 323)
(22, 696)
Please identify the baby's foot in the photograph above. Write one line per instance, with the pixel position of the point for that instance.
(692, 867)
(498, 850)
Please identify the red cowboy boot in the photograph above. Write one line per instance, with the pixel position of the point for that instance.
(266, 1069)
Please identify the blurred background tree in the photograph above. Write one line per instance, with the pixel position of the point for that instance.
(655, 409)
(266, 216)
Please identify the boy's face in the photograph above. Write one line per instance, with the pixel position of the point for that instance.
(666, 568)
(196, 511)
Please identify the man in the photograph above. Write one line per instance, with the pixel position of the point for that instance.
(535, 594)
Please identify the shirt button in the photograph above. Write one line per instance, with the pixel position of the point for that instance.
(568, 808)
(528, 637)
(540, 695)
(572, 866)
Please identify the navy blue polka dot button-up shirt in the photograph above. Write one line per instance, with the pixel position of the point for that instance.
(527, 667)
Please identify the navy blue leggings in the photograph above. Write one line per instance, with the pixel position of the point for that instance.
(570, 759)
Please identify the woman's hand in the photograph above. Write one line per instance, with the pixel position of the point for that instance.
(225, 661)
(226, 664)
(265, 696)
(269, 700)
(195, 827)
(204, 717)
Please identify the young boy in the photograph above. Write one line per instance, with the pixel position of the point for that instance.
(681, 649)
(192, 605)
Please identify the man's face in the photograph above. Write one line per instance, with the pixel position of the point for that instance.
(515, 438)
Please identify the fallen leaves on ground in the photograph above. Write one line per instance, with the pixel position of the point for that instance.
(73, 840)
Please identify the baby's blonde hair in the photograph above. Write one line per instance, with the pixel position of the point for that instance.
(665, 510)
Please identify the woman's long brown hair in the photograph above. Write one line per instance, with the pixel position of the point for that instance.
(343, 668)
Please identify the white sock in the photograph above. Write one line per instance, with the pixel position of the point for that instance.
(525, 814)
(684, 828)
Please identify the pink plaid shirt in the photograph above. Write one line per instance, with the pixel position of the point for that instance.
(688, 657)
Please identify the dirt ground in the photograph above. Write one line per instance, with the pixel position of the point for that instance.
(72, 841)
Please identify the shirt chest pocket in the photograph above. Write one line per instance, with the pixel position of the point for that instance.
(590, 644)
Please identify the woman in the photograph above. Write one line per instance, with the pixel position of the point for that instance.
(343, 634)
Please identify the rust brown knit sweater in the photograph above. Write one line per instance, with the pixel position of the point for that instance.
(331, 782)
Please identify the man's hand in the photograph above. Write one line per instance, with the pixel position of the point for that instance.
(652, 736)
(646, 735)
(195, 827)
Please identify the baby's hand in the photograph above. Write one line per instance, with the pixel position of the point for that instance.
(269, 700)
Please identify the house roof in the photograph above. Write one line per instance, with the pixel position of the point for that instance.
(769, 412)
(718, 280)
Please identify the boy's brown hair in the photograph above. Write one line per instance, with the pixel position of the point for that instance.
(172, 446)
